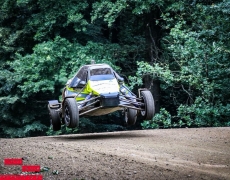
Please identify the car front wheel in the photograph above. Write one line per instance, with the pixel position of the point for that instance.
(149, 106)
(71, 113)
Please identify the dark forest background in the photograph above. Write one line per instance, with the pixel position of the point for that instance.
(180, 50)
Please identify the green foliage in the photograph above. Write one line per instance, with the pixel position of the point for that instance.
(23, 130)
(194, 66)
(48, 68)
(44, 42)
(110, 10)
(63, 130)
(203, 113)
(86, 125)
(156, 71)
(58, 16)
(162, 119)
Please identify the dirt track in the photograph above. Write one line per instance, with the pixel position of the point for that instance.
(149, 154)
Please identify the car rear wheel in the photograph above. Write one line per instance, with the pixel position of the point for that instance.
(130, 116)
(71, 113)
(149, 106)
(54, 119)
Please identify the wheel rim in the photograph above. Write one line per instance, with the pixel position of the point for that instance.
(143, 113)
(67, 116)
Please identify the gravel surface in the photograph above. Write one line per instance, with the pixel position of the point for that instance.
(202, 153)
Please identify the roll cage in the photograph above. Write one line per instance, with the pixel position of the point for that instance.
(95, 72)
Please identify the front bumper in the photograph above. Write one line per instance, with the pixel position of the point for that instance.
(109, 100)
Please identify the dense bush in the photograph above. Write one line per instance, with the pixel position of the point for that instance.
(179, 50)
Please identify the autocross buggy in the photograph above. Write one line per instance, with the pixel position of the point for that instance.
(97, 90)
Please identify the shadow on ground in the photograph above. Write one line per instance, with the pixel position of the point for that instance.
(95, 136)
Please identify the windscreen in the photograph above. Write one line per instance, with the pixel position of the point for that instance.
(101, 74)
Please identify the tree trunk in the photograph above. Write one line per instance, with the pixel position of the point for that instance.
(152, 40)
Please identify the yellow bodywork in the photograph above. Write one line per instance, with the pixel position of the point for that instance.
(95, 88)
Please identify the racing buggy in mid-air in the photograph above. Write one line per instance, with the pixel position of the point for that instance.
(96, 90)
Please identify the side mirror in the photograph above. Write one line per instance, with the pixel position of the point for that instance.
(120, 79)
(74, 82)
(77, 83)
(81, 84)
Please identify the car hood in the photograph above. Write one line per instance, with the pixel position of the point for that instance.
(103, 86)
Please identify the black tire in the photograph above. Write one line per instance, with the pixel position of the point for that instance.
(149, 105)
(71, 113)
(54, 119)
(130, 116)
